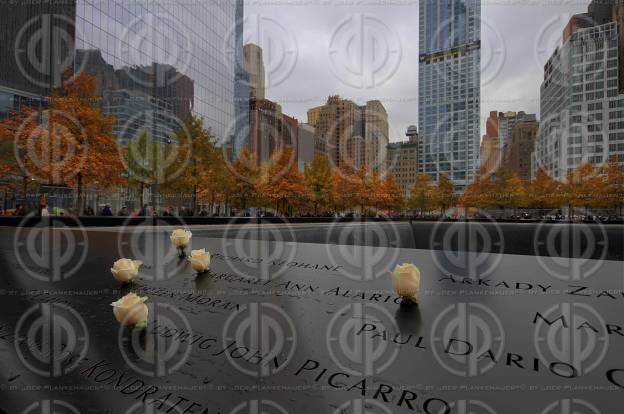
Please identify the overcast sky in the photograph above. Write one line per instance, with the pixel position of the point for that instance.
(365, 50)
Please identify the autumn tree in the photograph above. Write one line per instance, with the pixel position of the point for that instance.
(348, 187)
(422, 194)
(191, 158)
(365, 187)
(506, 190)
(18, 166)
(373, 192)
(582, 187)
(220, 184)
(498, 190)
(477, 194)
(382, 192)
(515, 192)
(246, 175)
(393, 197)
(319, 178)
(144, 158)
(543, 192)
(80, 138)
(9, 169)
(445, 196)
(282, 183)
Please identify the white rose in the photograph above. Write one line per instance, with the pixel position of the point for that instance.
(181, 237)
(200, 260)
(125, 270)
(130, 310)
(406, 281)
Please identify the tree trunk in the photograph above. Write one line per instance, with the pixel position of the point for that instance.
(79, 201)
(227, 203)
(24, 188)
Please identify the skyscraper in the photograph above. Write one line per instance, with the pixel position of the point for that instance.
(490, 146)
(449, 88)
(519, 147)
(404, 160)
(176, 53)
(507, 121)
(582, 108)
(241, 90)
(348, 132)
(254, 66)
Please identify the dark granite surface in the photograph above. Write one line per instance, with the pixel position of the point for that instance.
(291, 327)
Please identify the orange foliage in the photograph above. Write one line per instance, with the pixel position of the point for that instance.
(282, 183)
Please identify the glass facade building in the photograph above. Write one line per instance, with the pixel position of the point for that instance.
(582, 107)
(155, 61)
(37, 47)
(450, 88)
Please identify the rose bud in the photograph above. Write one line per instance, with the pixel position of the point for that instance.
(200, 260)
(181, 238)
(126, 270)
(406, 281)
(130, 310)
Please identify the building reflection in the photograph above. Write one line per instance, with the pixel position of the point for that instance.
(167, 58)
(155, 98)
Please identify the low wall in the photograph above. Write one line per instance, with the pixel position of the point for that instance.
(561, 239)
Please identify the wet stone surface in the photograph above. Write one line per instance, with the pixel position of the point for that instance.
(285, 327)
